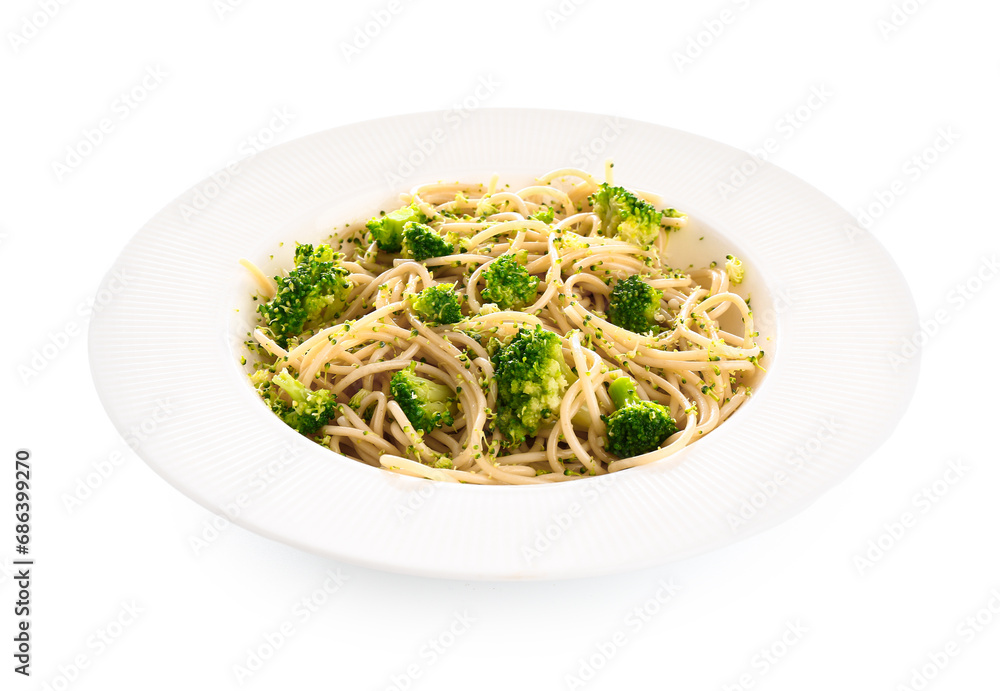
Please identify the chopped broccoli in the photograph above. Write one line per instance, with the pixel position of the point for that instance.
(531, 377)
(734, 267)
(427, 405)
(571, 241)
(312, 294)
(508, 284)
(301, 408)
(545, 214)
(637, 426)
(438, 304)
(422, 242)
(387, 230)
(626, 217)
(633, 305)
(355, 404)
(486, 208)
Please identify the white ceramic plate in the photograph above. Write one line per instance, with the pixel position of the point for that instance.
(165, 351)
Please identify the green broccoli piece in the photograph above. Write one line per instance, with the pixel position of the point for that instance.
(486, 208)
(312, 294)
(387, 230)
(427, 405)
(545, 214)
(355, 404)
(637, 426)
(438, 304)
(508, 284)
(531, 377)
(633, 305)
(734, 268)
(626, 217)
(422, 242)
(301, 408)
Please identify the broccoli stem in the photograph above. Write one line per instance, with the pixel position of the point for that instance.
(622, 392)
(582, 418)
(292, 386)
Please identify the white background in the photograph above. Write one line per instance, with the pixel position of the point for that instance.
(856, 614)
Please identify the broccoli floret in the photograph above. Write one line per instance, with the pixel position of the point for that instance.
(571, 241)
(438, 304)
(355, 404)
(301, 408)
(508, 284)
(626, 217)
(485, 208)
(422, 242)
(313, 293)
(545, 214)
(531, 377)
(637, 426)
(387, 230)
(734, 267)
(633, 305)
(427, 405)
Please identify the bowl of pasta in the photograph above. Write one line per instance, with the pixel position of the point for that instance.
(500, 361)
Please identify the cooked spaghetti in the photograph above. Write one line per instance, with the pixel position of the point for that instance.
(487, 335)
